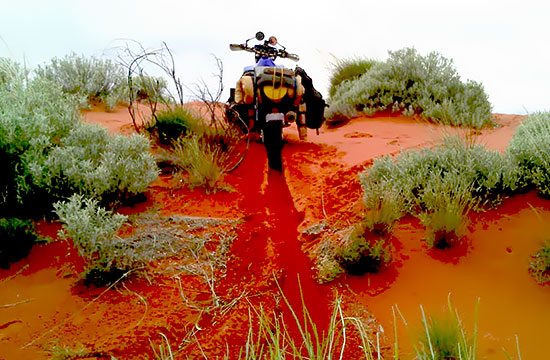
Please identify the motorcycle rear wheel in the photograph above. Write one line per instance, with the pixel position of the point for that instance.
(273, 141)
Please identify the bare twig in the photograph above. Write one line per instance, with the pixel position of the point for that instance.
(134, 61)
(15, 304)
(14, 275)
(143, 300)
(323, 200)
(211, 100)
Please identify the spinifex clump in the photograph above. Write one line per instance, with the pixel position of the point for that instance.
(363, 252)
(445, 336)
(384, 204)
(539, 267)
(201, 151)
(447, 201)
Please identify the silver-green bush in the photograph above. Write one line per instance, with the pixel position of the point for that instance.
(93, 230)
(90, 79)
(49, 153)
(92, 162)
(150, 88)
(529, 149)
(438, 185)
(485, 172)
(34, 116)
(348, 70)
(413, 84)
(199, 243)
(9, 71)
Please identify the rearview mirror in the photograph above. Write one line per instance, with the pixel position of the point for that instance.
(260, 36)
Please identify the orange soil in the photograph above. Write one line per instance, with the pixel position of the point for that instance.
(42, 305)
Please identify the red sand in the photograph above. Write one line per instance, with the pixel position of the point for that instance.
(42, 305)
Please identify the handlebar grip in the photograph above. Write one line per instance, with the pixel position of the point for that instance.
(236, 47)
(293, 57)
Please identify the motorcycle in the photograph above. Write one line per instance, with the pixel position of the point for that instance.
(269, 97)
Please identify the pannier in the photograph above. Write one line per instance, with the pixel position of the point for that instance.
(315, 104)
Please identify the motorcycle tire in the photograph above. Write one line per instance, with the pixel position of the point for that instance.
(273, 141)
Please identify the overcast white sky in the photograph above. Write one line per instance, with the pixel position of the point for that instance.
(503, 44)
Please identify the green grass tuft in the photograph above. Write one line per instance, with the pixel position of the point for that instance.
(445, 202)
(445, 337)
(539, 266)
(173, 123)
(202, 152)
(363, 252)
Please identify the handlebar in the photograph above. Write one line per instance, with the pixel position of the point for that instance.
(265, 51)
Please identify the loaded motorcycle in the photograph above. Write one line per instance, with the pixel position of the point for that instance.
(269, 97)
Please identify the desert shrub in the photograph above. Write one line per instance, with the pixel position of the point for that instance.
(93, 230)
(439, 185)
(348, 70)
(34, 116)
(10, 71)
(481, 170)
(529, 150)
(539, 266)
(90, 161)
(413, 84)
(107, 256)
(49, 153)
(357, 252)
(150, 88)
(91, 80)
(17, 237)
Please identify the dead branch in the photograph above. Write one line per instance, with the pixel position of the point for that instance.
(134, 61)
(211, 100)
(15, 304)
